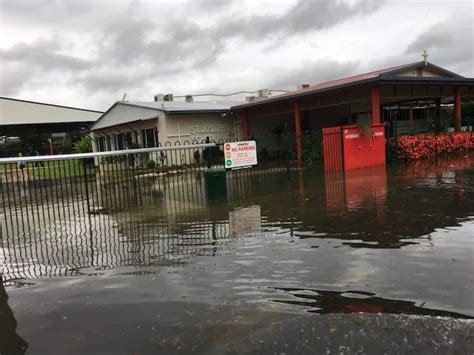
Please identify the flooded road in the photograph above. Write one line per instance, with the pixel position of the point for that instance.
(378, 260)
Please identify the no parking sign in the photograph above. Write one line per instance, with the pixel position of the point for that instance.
(240, 154)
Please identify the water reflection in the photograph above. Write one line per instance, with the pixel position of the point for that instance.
(10, 342)
(350, 190)
(322, 302)
(310, 229)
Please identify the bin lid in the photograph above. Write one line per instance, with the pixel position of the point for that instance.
(215, 170)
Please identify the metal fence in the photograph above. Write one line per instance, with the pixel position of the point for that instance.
(116, 180)
(59, 214)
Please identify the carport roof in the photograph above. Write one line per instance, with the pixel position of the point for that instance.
(387, 75)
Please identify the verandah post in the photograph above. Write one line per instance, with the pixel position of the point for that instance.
(375, 104)
(299, 146)
(457, 109)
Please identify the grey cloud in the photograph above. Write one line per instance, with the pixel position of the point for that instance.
(435, 36)
(189, 45)
(304, 16)
(46, 10)
(23, 63)
(209, 5)
(313, 73)
(43, 54)
(125, 41)
(117, 80)
(183, 45)
(448, 44)
(13, 78)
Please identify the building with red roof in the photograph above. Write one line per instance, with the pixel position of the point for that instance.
(411, 94)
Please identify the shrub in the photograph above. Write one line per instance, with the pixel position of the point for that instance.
(83, 145)
(150, 164)
(428, 146)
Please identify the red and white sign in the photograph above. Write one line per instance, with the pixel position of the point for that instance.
(240, 154)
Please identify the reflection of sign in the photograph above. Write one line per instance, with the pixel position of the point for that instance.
(245, 221)
(240, 154)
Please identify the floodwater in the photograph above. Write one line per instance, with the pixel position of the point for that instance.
(377, 261)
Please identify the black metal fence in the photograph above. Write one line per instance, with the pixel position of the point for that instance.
(59, 214)
(116, 180)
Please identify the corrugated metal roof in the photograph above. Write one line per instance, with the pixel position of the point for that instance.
(121, 113)
(181, 106)
(351, 80)
(124, 112)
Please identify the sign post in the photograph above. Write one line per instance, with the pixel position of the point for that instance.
(240, 155)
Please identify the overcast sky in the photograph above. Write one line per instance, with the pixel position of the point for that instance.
(89, 53)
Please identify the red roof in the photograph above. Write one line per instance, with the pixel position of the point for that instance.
(340, 82)
(348, 80)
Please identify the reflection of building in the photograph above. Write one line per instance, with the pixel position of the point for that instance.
(353, 188)
(148, 124)
(324, 301)
(36, 122)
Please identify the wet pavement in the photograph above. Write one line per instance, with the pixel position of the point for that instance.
(376, 261)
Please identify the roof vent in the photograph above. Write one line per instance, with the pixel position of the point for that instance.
(168, 97)
(158, 97)
(250, 98)
(189, 98)
(302, 86)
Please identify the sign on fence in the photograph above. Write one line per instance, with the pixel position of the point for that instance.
(240, 154)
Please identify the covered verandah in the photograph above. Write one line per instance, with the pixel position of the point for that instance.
(365, 99)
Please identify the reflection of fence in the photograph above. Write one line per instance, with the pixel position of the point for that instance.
(59, 214)
(88, 244)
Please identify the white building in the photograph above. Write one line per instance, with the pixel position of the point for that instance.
(150, 124)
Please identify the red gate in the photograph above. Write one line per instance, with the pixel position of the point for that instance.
(352, 147)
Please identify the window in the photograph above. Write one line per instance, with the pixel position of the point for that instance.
(109, 143)
(150, 138)
(128, 140)
(143, 138)
(120, 141)
(101, 144)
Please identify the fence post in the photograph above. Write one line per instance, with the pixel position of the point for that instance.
(84, 162)
(287, 150)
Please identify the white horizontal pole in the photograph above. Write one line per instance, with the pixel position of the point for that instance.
(104, 154)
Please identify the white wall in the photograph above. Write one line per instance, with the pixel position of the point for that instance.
(425, 72)
(195, 128)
